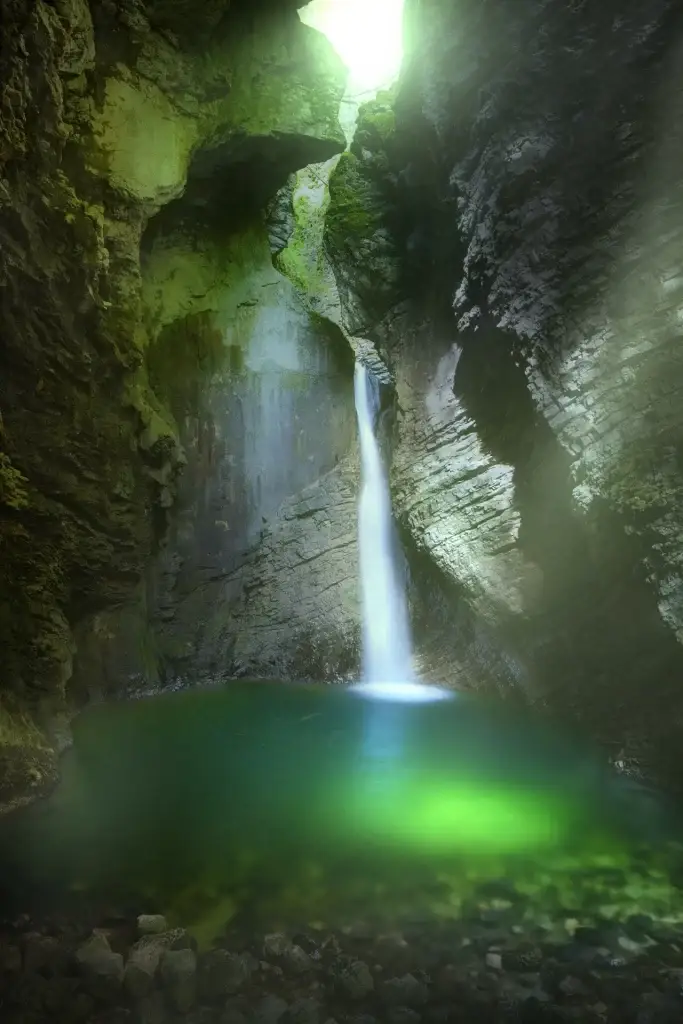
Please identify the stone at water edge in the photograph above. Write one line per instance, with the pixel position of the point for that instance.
(152, 924)
(275, 945)
(152, 1009)
(101, 969)
(141, 968)
(270, 1010)
(221, 974)
(44, 954)
(356, 980)
(405, 991)
(303, 1011)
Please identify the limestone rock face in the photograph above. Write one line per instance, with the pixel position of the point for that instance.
(531, 196)
(258, 573)
(105, 121)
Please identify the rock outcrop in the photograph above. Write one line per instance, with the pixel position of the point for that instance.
(110, 112)
(507, 230)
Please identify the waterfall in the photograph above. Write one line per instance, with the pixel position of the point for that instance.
(386, 631)
(387, 647)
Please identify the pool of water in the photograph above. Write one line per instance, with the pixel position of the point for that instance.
(310, 798)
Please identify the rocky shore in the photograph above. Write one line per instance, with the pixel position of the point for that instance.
(505, 957)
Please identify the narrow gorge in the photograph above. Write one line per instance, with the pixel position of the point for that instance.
(183, 300)
(274, 275)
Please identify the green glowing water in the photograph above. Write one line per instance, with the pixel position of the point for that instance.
(270, 792)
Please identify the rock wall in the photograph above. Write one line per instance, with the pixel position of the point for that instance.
(257, 573)
(107, 108)
(511, 242)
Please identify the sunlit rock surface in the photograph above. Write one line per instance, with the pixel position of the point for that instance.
(106, 111)
(529, 196)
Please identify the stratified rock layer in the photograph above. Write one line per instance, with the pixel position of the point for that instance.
(530, 196)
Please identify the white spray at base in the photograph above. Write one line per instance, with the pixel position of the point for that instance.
(387, 646)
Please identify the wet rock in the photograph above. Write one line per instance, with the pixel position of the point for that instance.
(152, 924)
(494, 961)
(116, 1015)
(402, 1015)
(303, 1011)
(637, 926)
(571, 987)
(296, 960)
(222, 974)
(10, 960)
(275, 946)
(179, 975)
(60, 994)
(394, 951)
(355, 980)
(44, 954)
(405, 991)
(524, 958)
(142, 966)
(232, 1015)
(152, 1009)
(177, 938)
(200, 1015)
(101, 969)
(270, 1010)
(307, 943)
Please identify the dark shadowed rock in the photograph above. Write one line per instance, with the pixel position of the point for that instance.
(101, 969)
(355, 980)
(179, 976)
(222, 974)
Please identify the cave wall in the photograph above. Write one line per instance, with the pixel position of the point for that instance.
(256, 574)
(507, 230)
(106, 109)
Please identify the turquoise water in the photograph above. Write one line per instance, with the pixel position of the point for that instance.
(238, 792)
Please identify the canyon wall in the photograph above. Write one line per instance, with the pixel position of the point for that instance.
(507, 229)
(120, 123)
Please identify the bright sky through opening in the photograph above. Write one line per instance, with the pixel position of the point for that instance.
(367, 35)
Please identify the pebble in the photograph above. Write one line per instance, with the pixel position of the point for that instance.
(432, 974)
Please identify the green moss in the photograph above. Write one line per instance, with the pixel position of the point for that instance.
(376, 119)
(194, 273)
(285, 79)
(303, 260)
(143, 141)
(352, 215)
(17, 729)
(13, 485)
(180, 360)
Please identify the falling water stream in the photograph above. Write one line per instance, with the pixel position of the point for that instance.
(386, 630)
(387, 646)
